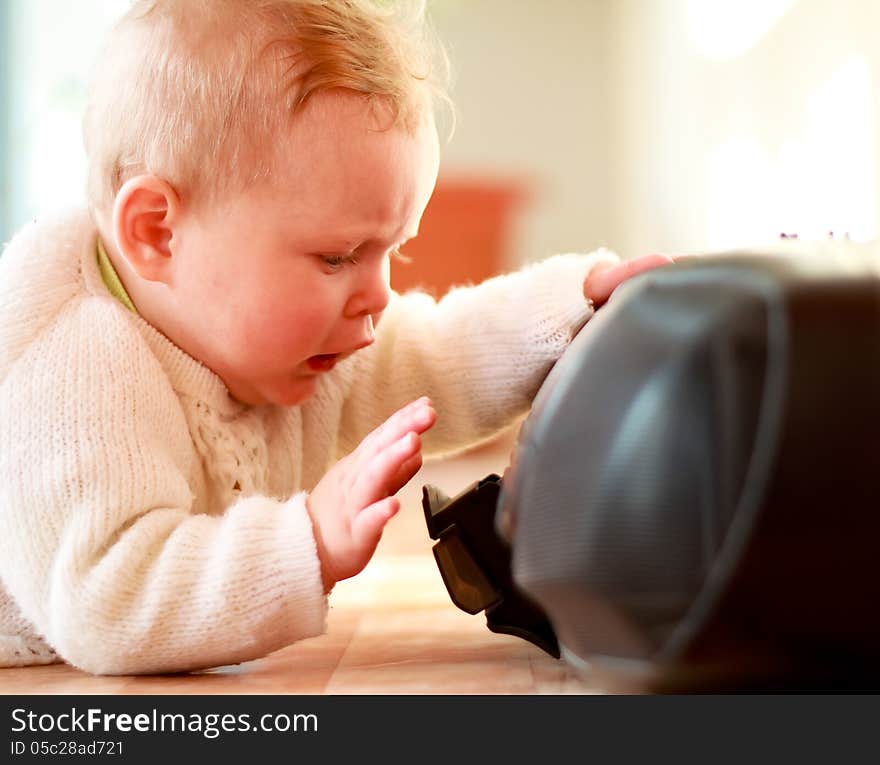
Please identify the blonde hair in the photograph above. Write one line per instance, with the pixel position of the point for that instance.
(198, 91)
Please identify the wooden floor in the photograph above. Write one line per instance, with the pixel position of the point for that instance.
(392, 630)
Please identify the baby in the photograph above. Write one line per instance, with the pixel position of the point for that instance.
(209, 395)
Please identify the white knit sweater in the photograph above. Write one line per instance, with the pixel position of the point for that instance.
(148, 521)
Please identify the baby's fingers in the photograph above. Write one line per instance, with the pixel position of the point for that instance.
(367, 525)
(407, 470)
(417, 417)
(379, 476)
(603, 280)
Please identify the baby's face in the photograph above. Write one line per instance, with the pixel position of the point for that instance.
(275, 286)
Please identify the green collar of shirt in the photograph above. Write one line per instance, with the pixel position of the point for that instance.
(111, 278)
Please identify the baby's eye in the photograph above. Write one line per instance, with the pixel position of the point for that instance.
(335, 262)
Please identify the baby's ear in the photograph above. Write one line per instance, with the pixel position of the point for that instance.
(144, 212)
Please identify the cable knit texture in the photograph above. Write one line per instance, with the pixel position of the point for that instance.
(148, 521)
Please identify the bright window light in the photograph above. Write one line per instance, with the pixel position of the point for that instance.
(820, 179)
(721, 29)
(739, 208)
(54, 45)
(827, 172)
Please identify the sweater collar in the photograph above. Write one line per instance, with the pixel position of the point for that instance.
(111, 278)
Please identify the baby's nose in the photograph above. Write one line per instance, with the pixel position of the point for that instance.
(369, 333)
(371, 297)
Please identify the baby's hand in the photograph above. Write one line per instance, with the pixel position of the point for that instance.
(354, 500)
(604, 279)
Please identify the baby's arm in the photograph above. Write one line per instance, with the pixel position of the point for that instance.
(98, 543)
(480, 353)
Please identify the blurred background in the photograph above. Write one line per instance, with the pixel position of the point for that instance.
(676, 126)
(640, 125)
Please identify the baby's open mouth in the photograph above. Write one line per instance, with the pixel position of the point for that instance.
(322, 363)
